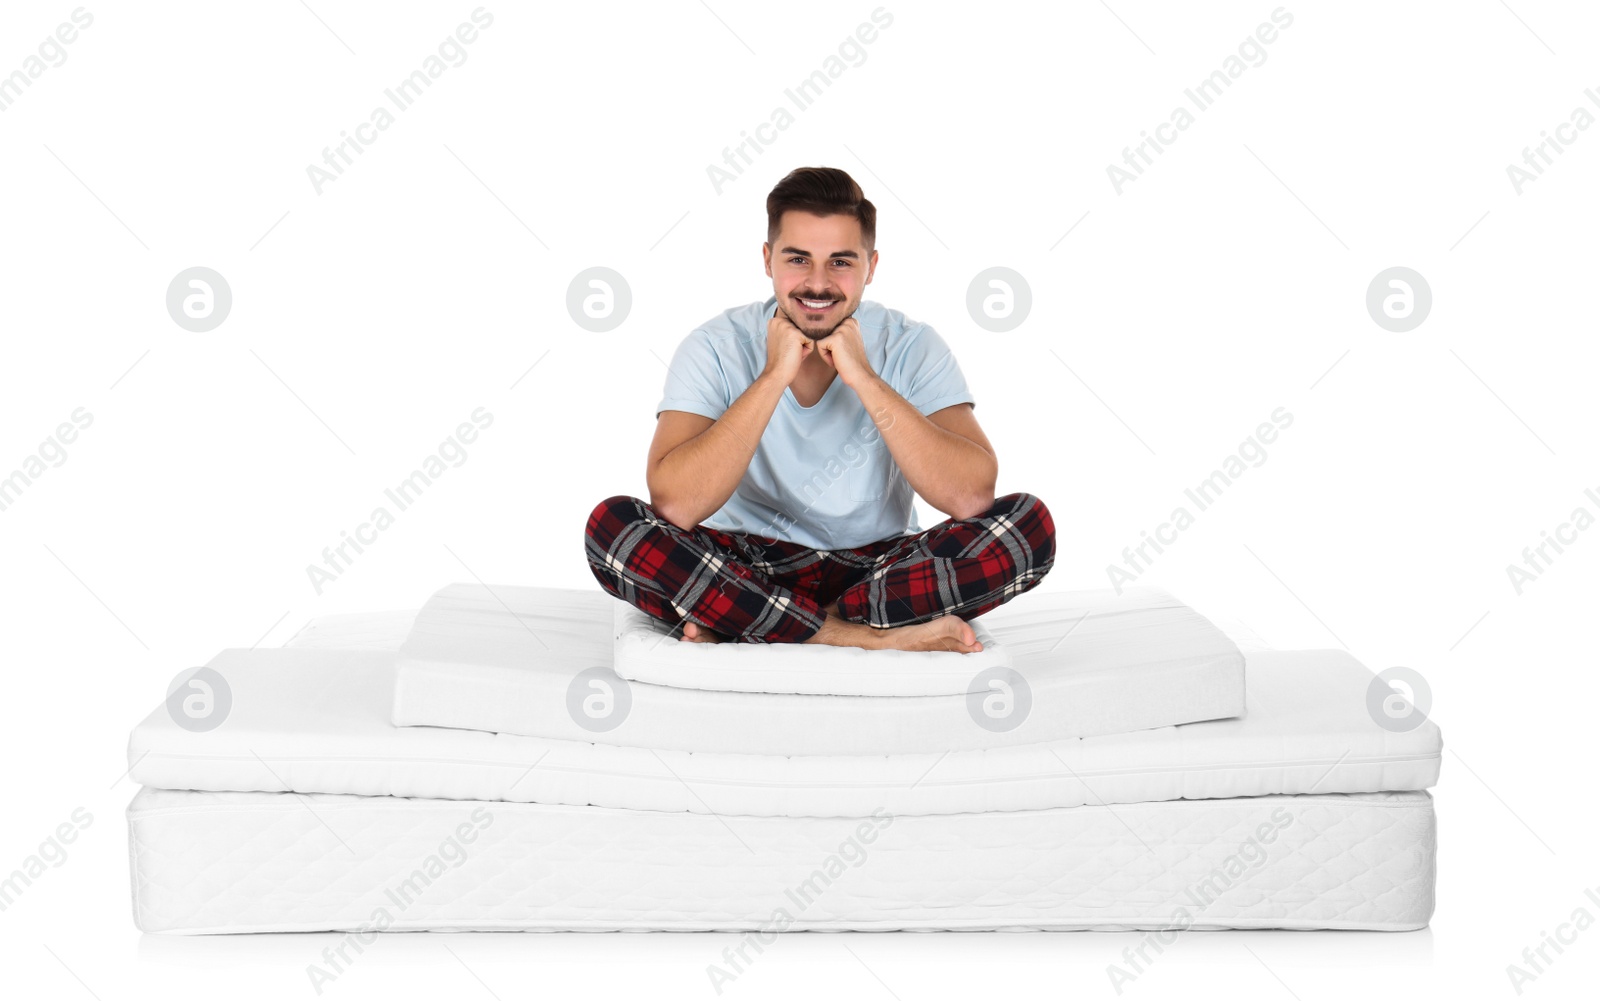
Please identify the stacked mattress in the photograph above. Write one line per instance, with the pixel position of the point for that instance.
(546, 759)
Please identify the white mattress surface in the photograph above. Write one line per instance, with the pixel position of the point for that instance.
(645, 649)
(263, 862)
(317, 721)
(356, 631)
(512, 660)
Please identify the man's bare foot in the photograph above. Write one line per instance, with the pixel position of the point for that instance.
(948, 632)
(695, 633)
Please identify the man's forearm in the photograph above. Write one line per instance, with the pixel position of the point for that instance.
(954, 474)
(695, 479)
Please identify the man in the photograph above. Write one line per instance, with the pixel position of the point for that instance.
(787, 447)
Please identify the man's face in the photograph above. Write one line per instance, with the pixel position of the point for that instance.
(819, 270)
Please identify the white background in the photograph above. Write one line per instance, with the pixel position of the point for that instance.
(1168, 321)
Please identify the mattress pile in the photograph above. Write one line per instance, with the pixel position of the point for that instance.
(546, 759)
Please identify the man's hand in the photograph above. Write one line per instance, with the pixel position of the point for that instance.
(846, 353)
(787, 347)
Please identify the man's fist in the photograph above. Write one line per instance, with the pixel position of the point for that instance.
(787, 347)
(846, 352)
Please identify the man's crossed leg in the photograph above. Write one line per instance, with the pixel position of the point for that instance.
(909, 592)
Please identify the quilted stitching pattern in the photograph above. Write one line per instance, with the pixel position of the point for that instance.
(245, 862)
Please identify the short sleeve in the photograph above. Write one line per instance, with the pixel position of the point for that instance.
(695, 382)
(927, 375)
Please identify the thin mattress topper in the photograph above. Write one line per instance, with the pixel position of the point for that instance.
(647, 649)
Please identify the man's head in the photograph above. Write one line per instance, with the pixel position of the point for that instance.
(820, 251)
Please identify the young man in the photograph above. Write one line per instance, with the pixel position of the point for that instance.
(787, 447)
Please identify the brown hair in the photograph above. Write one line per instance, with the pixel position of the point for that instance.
(822, 191)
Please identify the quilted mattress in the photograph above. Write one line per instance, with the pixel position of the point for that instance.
(511, 660)
(207, 862)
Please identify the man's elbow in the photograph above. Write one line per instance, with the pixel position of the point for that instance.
(678, 520)
(973, 506)
(673, 513)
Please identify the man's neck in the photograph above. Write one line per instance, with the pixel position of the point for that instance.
(813, 380)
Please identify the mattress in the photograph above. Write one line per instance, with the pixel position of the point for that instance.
(355, 631)
(646, 649)
(313, 720)
(308, 810)
(538, 662)
(210, 862)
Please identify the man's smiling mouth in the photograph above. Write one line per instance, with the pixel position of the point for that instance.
(815, 305)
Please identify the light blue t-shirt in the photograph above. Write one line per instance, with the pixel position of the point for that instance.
(821, 476)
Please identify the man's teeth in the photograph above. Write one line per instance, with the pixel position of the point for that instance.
(817, 303)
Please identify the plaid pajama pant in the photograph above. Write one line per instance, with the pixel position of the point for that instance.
(760, 590)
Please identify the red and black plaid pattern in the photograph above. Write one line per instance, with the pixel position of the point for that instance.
(762, 590)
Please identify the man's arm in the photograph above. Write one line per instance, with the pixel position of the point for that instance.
(945, 457)
(695, 463)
